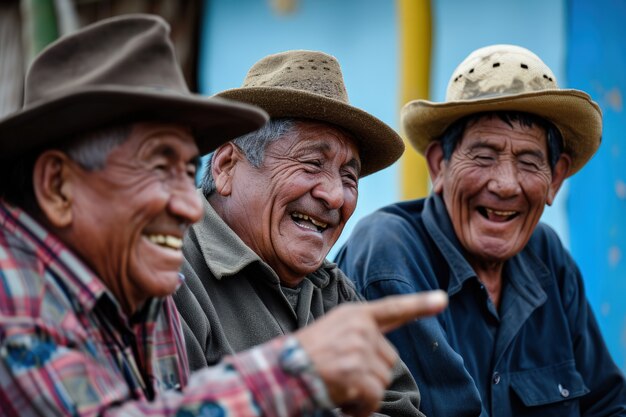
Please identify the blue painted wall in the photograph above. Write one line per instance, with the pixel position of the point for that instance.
(596, 63)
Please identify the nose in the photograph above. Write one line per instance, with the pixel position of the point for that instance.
(505, 180)
(185, 202)
(330, 191)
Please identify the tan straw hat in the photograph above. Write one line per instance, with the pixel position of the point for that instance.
(508, 78)
(309, 84)
(115, 71)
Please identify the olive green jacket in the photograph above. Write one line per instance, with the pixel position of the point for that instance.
(232, 300)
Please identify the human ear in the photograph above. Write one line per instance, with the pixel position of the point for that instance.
(559, 173)
(52, 184)
(436, 165)
(223, 166)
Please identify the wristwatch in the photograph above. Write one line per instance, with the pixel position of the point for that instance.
(294, 361)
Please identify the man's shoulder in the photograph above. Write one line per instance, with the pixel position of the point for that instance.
(546, 247)
(402, 219)
(545, 243)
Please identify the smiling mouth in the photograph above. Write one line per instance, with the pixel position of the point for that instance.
(497, 215)
(166, 241)
(308, 222)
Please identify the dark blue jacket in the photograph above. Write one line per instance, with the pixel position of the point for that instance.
(540, 354)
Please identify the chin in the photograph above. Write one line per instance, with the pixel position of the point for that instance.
(303, 268)
(163, 286)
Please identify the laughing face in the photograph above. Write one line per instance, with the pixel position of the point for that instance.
(495, 186)
(130, 216)
(292, 209)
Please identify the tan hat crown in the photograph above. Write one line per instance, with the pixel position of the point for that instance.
(508, 78)
(499, 70)
(311, 71)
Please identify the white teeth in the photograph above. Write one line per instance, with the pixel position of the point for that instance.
(312, 220)
(166, 240)
(500, 213)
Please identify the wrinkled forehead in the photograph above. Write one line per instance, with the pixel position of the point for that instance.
(319, 137)
(497, 131)
(508, 121)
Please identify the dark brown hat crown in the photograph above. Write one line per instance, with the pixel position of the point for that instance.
(118, 70)
(138, 55)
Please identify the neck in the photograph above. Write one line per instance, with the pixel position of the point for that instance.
(288, 277)
(490, 275)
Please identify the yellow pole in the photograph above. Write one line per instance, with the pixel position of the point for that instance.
(414, 18)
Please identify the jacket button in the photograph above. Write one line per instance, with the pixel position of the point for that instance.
(495, 378)
(564, 391)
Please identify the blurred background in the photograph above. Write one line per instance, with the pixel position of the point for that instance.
(392, 52)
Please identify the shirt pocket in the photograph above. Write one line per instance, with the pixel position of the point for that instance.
(550, 391)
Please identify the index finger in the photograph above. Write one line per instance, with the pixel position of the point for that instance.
(393, 311)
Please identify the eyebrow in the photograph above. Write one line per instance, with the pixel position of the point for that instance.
(489, 145)
(483, 144)
(324, 147)
(536, 153)
(170, 151)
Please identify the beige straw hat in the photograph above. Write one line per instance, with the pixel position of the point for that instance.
(309, 84)
(118, 70)
(508, 78)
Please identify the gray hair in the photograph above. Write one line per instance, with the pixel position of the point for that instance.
(253, 146)
(90, 150)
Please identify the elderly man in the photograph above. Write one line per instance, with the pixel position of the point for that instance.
(519, 338)
(98, 188)
(275, 201)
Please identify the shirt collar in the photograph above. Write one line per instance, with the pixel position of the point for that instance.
(72, 275)
(440, 228)
(223, 251)
(528, 270)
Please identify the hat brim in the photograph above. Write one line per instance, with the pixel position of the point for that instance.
(577, 117)
(213, 121)
(379, 145)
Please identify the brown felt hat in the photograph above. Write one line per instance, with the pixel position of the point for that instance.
(309, 84)
(116, 71)
(508, 78)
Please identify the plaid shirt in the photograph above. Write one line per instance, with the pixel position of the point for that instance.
(66, 348)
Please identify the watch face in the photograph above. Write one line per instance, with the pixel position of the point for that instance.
(293, 359)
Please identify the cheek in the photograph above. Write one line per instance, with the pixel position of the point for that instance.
(464, 182)
(351, 197)
(536, 188)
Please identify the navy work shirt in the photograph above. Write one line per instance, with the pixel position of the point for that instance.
(540, 354)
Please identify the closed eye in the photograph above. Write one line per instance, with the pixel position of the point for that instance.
(484, 158)
(529, 164)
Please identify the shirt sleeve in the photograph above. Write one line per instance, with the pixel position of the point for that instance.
(39, 377)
